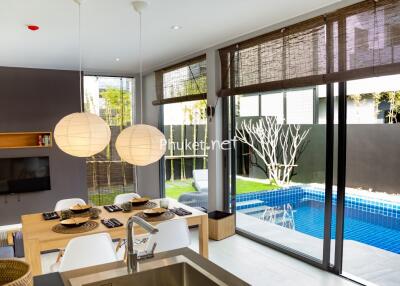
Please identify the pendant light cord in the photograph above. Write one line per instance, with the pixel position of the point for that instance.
(80, 58)
(140, 67)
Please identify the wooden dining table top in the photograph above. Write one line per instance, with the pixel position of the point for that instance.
(36, 227)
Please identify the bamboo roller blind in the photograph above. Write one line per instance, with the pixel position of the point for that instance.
(359, 41)
(185, 81)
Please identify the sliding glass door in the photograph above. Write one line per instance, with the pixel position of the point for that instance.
(280, 168)
(371, 245)
(339, 205)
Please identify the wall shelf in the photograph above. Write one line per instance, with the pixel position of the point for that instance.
(25, 140)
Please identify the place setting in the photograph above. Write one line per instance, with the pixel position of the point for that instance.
(78, 218)
(132, 205)
(161, 212)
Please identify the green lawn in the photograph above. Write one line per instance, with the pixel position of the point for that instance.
(103, 199)
(174, 189)
(245, 187)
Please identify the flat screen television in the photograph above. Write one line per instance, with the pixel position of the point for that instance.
(27, 174)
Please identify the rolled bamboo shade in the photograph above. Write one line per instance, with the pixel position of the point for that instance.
(359, 41)
(185, 81)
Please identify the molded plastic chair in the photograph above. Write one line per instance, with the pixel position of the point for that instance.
(86, 251)
(122, 198)
(67, 203)
(171, 235)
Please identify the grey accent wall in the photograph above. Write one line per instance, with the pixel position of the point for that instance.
(148, 176)
(35, 100)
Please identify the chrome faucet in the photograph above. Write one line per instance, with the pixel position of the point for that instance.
(132, 255)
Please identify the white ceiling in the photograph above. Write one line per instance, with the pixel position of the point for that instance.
(110, 30)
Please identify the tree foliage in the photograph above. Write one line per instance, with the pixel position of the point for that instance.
(118, 105)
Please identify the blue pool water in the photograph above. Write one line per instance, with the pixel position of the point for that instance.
(373, 223)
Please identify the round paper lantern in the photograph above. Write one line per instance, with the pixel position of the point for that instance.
(141, 144)
(82, 134)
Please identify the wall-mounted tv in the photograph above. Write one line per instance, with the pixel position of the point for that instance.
(27, 174)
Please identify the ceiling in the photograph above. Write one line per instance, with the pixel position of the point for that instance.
(110, 30)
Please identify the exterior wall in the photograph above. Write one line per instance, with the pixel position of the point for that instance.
(35, 100)
(372, 157)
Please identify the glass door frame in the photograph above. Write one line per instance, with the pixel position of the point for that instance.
(229, 172)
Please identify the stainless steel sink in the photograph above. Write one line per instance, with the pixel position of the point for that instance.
(174, 271)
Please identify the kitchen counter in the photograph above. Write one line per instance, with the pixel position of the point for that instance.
(63, 279)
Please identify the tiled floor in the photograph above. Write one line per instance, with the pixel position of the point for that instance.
(372, 264)
(260, 265)
(256, 264)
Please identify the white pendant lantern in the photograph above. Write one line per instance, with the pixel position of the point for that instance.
(141, 145)
(82, 134)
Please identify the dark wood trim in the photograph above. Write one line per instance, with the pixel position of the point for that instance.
(201, 96)
(183, 64)
(314, 80)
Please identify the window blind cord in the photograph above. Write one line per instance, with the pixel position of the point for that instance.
(195, 81)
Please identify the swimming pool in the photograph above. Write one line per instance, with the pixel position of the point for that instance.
(372, 222)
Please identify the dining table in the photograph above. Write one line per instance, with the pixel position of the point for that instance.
(38, 235)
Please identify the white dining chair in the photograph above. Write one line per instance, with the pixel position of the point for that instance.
(122, 198)
(86, 251)
(67, 203)
(64, 205)
(171, 235)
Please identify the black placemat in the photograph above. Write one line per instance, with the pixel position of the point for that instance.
(180, 211)
(50, 215)
(111, 222)
(112, 208)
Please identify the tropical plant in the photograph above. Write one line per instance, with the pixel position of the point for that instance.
(278, 146)
(393, 99)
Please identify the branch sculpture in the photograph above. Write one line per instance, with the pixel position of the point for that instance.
(278, 146)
